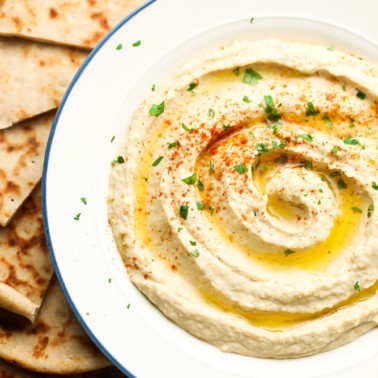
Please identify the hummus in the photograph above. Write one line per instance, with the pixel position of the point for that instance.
(243, 199)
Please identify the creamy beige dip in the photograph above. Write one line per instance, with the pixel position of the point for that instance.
(244, 209)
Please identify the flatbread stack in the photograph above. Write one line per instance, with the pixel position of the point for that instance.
(42, 45)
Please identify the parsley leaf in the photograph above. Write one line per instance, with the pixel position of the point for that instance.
(341, 184)
(191, 86)
(236, 71)
(251, 77)
(190, 180)
(361, 95)
(374, 185)
(184, 210)
(84, 200)
(246, 99)
(308, 165)
(271, 110)
(276, 127)
(174, 144)
(157, 161)
(77, 216)
(328, 122)
(119, 160)
(137, 43)
(211, 167)
(200, 186)
(370, 210)
(186, 128)
(307, 136)
(242, 168)
(200, 205)
(335, 149)
(157, 109)
(351, 141)
(211, 113)
(119, 47)
(196, 253)
(356, 210)
(310, 110)
(288, 252)
(262, 148)
(357, 286)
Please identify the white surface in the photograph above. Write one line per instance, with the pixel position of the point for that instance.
(99, 106)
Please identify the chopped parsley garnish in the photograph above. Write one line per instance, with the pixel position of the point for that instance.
(254, 167)
(236, 71)
(200, 205)
(195, 253)
(184, 210)
(374, 185)
(211, 113)
(191, 86)
(357, 286)
(331, 48)
(361, 95)
(137, 43)
(341, 184)
(226, 127)
(251, 20)
(119, 160)
(241, 168)
(157, 161)
(251, 77)
(77, 216)
(322, 178)
(289, 252)
(84, 200)
(112, 140)
(335, 149)
(370, 210)
(276, 127)
(328, 122)
(186, 128)
(308, 165)
(211, 210)
(307, 136)
(157, 109)
(192, 242)
(350, 140)
(310, 110)
(211, 167)
(190, 180)
(119, 46)
(174, 144)
(270, 109)
(319, 202)
(128, 306)
(246, 99)
(356, 209)
(320, 190)
(179, 229)
(200, 186)
(277, 145)
(153, 87)
(262, 148)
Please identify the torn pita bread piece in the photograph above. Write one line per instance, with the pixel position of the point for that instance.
(22, 150)
(56, 343)
(80, 23)
(33, 77)
(25, 264)
(8, 370)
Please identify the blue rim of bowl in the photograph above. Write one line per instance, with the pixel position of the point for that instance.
(44, 175)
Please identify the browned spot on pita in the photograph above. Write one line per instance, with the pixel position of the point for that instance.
(53, 13)
(93, 40)
(92, 3)
(19, 24)
(39, 348)
(12, 187)
(102, 20)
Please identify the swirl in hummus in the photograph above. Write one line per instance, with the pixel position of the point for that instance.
(245, 207)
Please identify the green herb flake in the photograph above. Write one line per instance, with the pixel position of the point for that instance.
(200, 205)
(319, 202)
(128, 306)
(157, 109)
(157, 161)
(320, 190)
(84, 200)
(186, 128)
(200, 186)
(288, 252)
(191, 86)
(119, 46)
(192, 242)
(374, 185)
(251, 20)
(310, 110)
(322, 178)
(226, 127)
(307, 136)
(251, 77)
(356, 210)
(87, 314)
(211, 113)
(271, 110)
(328, 122)
(196, 253)
(77, 216)
(331, 48)
(262, 148)
(137, 43)
(276, 127)
(119, 160)
(184, 210)
(351, 141)
(109, 280)
(190, 180)
(179, 229)
(241, 168)
(174, 144)
(236, 71)
(112, 140)
(341, 184)
(308, 165)
(335, 149)
(370, 210)
(153, 87)
(357, 286)
(211, 167)
(246, 99)
(361, 95)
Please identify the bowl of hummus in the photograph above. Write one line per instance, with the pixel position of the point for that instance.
(243, 198)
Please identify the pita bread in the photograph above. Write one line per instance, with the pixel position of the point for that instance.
(33, 77)
(8, 370)
(76, 22)
(56, 343)
(25, 265)
(22, 150)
